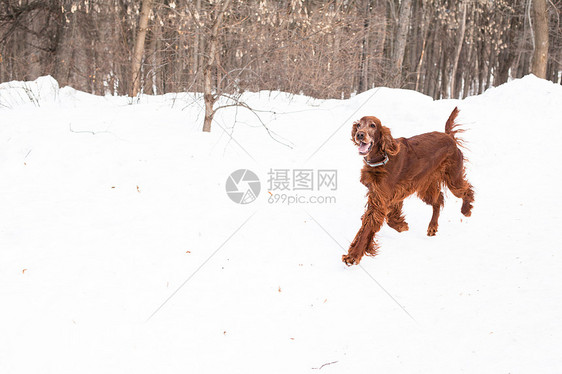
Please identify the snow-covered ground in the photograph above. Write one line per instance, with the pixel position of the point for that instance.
(120, 251)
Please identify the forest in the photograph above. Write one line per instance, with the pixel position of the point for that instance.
(324, 49)
(178, 186)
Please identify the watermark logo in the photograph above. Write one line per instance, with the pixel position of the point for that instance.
(298, 186)
(302, 179)
(243, 186)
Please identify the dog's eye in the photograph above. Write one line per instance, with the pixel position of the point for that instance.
(358, 125)
(372, 125)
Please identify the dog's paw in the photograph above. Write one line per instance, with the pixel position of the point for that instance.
(349, 260)
(432, 230)
(466, 209)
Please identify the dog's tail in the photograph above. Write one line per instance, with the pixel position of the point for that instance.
(451, 126)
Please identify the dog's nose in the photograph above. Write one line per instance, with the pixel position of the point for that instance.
(360, 135)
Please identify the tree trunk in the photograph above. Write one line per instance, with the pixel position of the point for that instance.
(139, 48)
(196, 42)
(363, 64)
(62, 55)
(430, 76)
(424, 31)
(458, 51)
(540, 29)
(210, 67)
(402, 33)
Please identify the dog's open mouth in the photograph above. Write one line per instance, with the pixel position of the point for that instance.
(365, 148)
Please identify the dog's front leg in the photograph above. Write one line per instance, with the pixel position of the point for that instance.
(364, 242)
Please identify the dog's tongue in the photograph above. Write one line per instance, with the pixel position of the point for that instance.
(363, 147)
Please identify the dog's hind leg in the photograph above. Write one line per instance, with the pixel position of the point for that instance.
(434, 197)
(457, 183)
(463, 190)
(395, 217)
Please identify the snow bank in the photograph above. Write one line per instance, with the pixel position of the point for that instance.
(120, 250)
(40, 91)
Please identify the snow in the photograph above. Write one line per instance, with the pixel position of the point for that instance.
(120, 251)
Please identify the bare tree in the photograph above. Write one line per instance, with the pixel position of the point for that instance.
(401, 35)
(540, 30)
(459, 48)
(211, 64)
(139, 48)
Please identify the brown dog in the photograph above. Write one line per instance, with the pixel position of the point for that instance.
(396, 168)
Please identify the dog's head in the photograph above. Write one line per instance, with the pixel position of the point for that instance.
(371, 136)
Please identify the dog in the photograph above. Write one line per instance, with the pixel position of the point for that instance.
(397, 168)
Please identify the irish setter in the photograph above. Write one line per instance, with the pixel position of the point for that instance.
(396, 168)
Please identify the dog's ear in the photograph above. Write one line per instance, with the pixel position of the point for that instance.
(388, 144)
(354, 131)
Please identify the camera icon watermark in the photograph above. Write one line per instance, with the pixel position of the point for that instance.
(243, 186)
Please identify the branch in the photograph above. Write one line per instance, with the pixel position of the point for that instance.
(326, 364)
(87, 131)
(238, 103)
